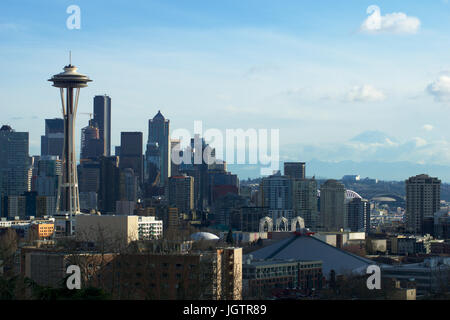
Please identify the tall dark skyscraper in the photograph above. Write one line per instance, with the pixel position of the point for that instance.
(89, 183)
(53, 141)
(15, 163)
(152, 170)
(294, 170)
(131, 153)
(358, 215)
(158, 131)
(112, 184)
(102, 119)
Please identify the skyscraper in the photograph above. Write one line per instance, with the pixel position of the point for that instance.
(131, 153)
(158, 132)
(174, 168)
(358, 215)
(53, 141)
(423, 195)
(294, 170)
(89, 183)
(112, 184)
(91, 145)
(49, 174)
(277, 194)
(220, 183)
(102, 119)
(332, 205)
(152, 164)
(198, 169)
(305, 201)
(181, 193)
(130, 180)
(15, 163)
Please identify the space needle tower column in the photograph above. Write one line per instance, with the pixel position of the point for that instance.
(69, 202)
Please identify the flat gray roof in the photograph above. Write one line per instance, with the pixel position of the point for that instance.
(312, 249)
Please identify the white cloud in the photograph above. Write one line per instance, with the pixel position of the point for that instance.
(440, 88)
(396, 22)
(416, 149)
(365, 93)
(391, 143)
(428, 127)
(420, 142)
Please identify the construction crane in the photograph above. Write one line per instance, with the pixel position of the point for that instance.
(89, 113)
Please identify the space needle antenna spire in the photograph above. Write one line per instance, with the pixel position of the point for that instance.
(69, 83)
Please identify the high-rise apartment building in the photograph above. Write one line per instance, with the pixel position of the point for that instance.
(294, 170)
(332, 206)
(276, 192)
(102, 120)
(53, 141)
(358, 215)
(423, 195)
(305, 201)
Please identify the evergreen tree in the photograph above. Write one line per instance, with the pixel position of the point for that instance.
(230, 237)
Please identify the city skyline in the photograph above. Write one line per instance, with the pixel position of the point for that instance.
(311, 70)
(233, 150)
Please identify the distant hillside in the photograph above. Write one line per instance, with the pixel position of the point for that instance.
(386, 171)
(369, 190)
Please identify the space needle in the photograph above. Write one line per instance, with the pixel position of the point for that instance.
(69, 202)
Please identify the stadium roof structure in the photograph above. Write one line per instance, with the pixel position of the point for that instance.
(204, 236)
(310, 248)
(350, 194)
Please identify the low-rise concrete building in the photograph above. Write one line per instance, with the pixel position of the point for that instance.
(429, 276)
(262, 276)
(117, 230)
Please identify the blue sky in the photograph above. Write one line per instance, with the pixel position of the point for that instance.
(309, 68)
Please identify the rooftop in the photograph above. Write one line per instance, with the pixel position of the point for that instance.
(310, 248)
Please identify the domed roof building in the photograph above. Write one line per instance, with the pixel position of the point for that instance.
(6, 128)
(204, 236)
